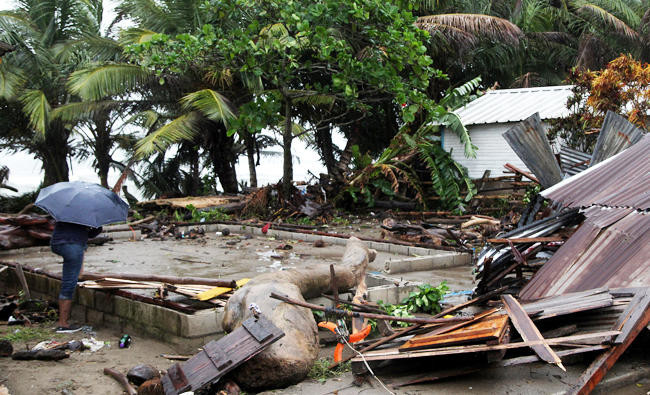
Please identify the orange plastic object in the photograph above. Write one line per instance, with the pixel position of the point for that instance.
(355, 337)
(328, 325)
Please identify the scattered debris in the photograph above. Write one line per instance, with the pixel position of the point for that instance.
(141, 373)
(219, 357)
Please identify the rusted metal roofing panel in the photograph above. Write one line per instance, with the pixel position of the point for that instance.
(620, 181)
(573, 161)
(528, 140)
(514, 105)
(611, 249)
(616, 134)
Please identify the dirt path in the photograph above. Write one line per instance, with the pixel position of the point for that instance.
(82, 373)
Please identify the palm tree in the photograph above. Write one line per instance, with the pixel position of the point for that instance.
(190, 103)
(34, 79)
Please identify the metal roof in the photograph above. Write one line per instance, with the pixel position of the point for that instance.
(573, 161)
(616, 134)
(620, 181)
(514, 105)
(610, 249)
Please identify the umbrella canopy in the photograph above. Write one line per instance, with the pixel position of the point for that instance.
(82, 203)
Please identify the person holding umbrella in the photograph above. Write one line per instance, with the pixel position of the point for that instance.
(79, 209)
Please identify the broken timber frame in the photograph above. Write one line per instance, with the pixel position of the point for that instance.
(529, 331)
(219, 357)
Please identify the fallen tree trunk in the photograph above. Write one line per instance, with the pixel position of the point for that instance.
(289, 360)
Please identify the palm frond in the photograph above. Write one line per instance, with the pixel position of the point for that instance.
(182, 128)
(313, 98)
(95, 83)
(211, 104)
(146, 119)
(135, 35)
(78, 111)
(11, 82)
(37, 108)
(618, 25)
(480, 25)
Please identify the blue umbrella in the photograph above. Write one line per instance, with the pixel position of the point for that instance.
(82, 203)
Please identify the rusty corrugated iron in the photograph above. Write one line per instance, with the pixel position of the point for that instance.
(620, 181)
(610, 249)
(528, 140)
(616, 134)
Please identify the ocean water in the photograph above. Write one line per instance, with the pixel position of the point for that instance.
(25, 172)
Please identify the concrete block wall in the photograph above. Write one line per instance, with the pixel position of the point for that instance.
(101, 308)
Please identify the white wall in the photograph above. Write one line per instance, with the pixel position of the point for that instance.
(493, 151)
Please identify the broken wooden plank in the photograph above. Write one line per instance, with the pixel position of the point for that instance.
(23, 281)
(519, 240)
(601, 365)
(219, 357)
(535, 358)
(216, 291)
(403, 332)
(355, 314)
(529, 331)
(394, 353)
(489, 328)
(482, 327)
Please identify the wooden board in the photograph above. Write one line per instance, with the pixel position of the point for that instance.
(394, 353)
(529, 331)
(633, 325)
(221, 356)
(216, 291)
(487, 328)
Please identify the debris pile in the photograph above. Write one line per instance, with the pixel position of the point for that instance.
(25, 231)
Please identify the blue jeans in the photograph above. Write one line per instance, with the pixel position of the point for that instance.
(73, 258)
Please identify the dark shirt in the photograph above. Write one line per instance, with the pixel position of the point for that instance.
(68, 233)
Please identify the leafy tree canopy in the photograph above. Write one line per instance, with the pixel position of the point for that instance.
(356, 53)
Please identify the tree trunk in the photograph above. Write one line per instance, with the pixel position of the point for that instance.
(54, 151)
(103, 145)
(222, 155)
(194, 172)
(287, 138)
(289, 360)
(326, 148)
(249, 140)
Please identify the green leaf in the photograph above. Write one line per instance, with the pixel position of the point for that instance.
(211, 104)
(37, 108)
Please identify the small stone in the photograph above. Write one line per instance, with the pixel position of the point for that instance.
(151, 387)
(319, 244)
(141, 373)
(6, 349)
(225, 231)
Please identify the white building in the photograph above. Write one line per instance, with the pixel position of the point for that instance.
(489, 116)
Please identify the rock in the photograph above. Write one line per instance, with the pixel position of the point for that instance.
(225, 231)
(141, 373)
(6, 349)
(319, 244)
(151, 387)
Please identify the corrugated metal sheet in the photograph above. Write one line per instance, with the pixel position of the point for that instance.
(620, 181)
(493, 151)
(573, 161)
(611, 249)
(514, 105)
(528, 140)
(616, 134)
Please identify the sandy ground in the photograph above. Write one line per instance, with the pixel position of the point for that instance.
(82, 373)
(231, 257)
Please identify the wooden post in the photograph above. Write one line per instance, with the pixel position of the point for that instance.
(23, 281)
